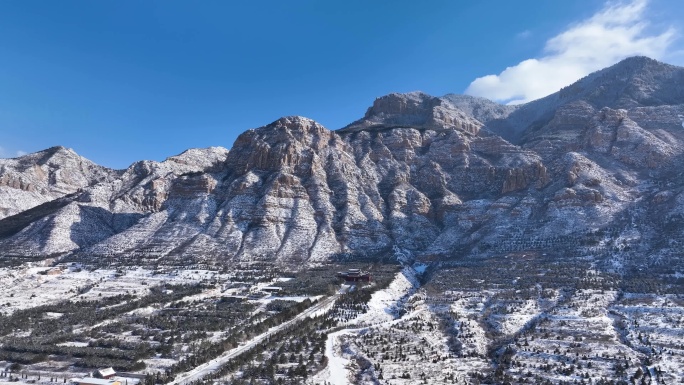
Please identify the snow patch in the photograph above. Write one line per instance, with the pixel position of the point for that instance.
(385, 305)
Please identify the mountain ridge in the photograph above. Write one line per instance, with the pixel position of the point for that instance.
(431, 177)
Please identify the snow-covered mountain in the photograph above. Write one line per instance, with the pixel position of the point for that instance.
(591, 169)
(30, 180)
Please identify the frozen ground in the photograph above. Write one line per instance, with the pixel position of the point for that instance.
(24, 287)
(536, 336)
(30, 286)
(387, 304)
(384, 308)
(404, 334)
(337, 372)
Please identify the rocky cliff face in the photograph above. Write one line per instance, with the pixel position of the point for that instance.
(422, 176)
(417, 110)
(30, 180)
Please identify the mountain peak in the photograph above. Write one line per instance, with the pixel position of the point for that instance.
(59, 155)
(634, 82)
(200, 158)
(640, 61)
(412, 103)
(49, 152)
(295, 122)
(416, 110)
(58, 149)
(637, 81)
(641, 68)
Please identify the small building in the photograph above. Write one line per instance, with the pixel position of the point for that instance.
(95, 381)
(272, 289)
(355, 275)
(106, 373)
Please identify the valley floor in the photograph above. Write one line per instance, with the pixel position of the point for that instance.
(261, 326)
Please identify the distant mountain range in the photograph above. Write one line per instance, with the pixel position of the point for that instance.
(594, 169)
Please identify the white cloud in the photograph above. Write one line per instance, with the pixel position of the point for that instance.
(618, 31)
(524, 34)
(21, 153)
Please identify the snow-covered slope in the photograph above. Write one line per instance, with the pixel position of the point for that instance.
(71, 216)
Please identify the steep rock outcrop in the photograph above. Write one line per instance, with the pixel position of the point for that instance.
(416, 110)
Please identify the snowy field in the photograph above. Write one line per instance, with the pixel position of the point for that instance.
(26, 286)
(467, 330)
(384, 309)
(142, 307)
(412, 336)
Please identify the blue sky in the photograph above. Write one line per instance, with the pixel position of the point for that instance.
(120, 81)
